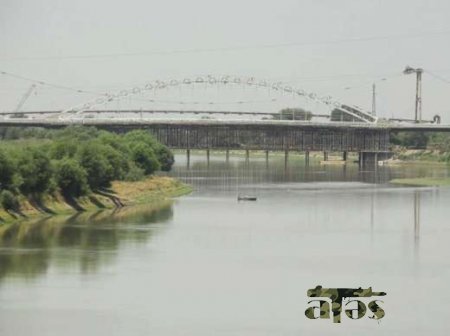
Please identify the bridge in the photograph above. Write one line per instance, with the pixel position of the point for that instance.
(346, 129)
(370, 141)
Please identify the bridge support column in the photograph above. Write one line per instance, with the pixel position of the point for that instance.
(188, 157)
(267, 157)
(344, 156)
(247, 155)
(360, 159)
(371, 158)
(307, 158)
(286, 157)
(227, 155)
(325, 156)
(207, 156)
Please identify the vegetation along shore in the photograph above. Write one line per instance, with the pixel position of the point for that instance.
(78, 168)
(423, 148)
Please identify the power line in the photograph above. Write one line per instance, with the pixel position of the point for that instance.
(181, 102)
(45, 83)
(442, 79)
(236, 48)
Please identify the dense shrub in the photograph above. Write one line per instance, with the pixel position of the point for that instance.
(144, 157)
(35, 168)
(99, 171)
(71, 178)
(165, 157)
(76, 159)
(6, 170)
(414, 140)
(9, 201)
(61, 149)
(118, 161)
(134, 173)
(163, 154)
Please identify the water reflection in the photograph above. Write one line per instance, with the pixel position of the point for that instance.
(228, 174)
(417, 201)
(84, 241)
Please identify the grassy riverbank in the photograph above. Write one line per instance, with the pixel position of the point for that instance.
(121, 194)
(422, 181)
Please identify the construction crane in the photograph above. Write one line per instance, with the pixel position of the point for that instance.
(25, 97)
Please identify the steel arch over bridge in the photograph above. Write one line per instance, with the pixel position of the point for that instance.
(355, 113)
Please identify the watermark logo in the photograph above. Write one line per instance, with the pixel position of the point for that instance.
(355, 302)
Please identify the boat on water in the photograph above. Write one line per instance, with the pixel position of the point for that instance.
(247, 198)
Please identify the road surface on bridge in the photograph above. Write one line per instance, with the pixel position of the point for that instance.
(138, 123)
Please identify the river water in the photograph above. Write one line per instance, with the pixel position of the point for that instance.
(207, 264)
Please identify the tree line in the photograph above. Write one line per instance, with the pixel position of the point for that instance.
(422, 140)
(75, 161)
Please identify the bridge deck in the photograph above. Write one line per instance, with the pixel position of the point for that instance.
(219, 122)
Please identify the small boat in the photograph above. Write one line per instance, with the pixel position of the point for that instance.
(247, 198)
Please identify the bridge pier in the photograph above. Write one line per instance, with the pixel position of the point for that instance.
(372, 158)
(267, 157)
(325, 156)
(286, 157)
(207, 156)
(227, 155)
(247, 155)
(307, 158)
(188, 157)
(344, 156)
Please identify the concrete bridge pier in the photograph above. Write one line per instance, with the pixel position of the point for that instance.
(368, 159)
(188, 157)
(267, 158)
(325, 156)
(286, 157)
(307, 158)
(344, 156)
(207, 156)
(227, 155)
(247, 155)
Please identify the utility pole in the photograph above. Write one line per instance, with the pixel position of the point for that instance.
(419, 94)
(374, 99)
(418, 110)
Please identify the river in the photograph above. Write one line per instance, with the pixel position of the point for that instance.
(207, 264)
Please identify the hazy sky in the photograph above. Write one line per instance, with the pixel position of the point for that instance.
(323, 46)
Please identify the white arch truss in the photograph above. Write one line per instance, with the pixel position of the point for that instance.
(215, 80)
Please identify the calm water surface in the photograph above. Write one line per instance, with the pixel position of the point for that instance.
(209, 265)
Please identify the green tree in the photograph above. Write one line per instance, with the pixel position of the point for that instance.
(71, 178)
(145, 158)
(99, 171)
(9, 201)
(80, 133)
(115, 141)
(61, 149)
(6, 170)
(134, 173)
(35, 169)
(118, 162)
(163, 154)
(140, 136)
(165, 157)
(414, 140)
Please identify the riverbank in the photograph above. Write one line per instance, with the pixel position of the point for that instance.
(402, 154)
(120, 194)
(423, 182)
